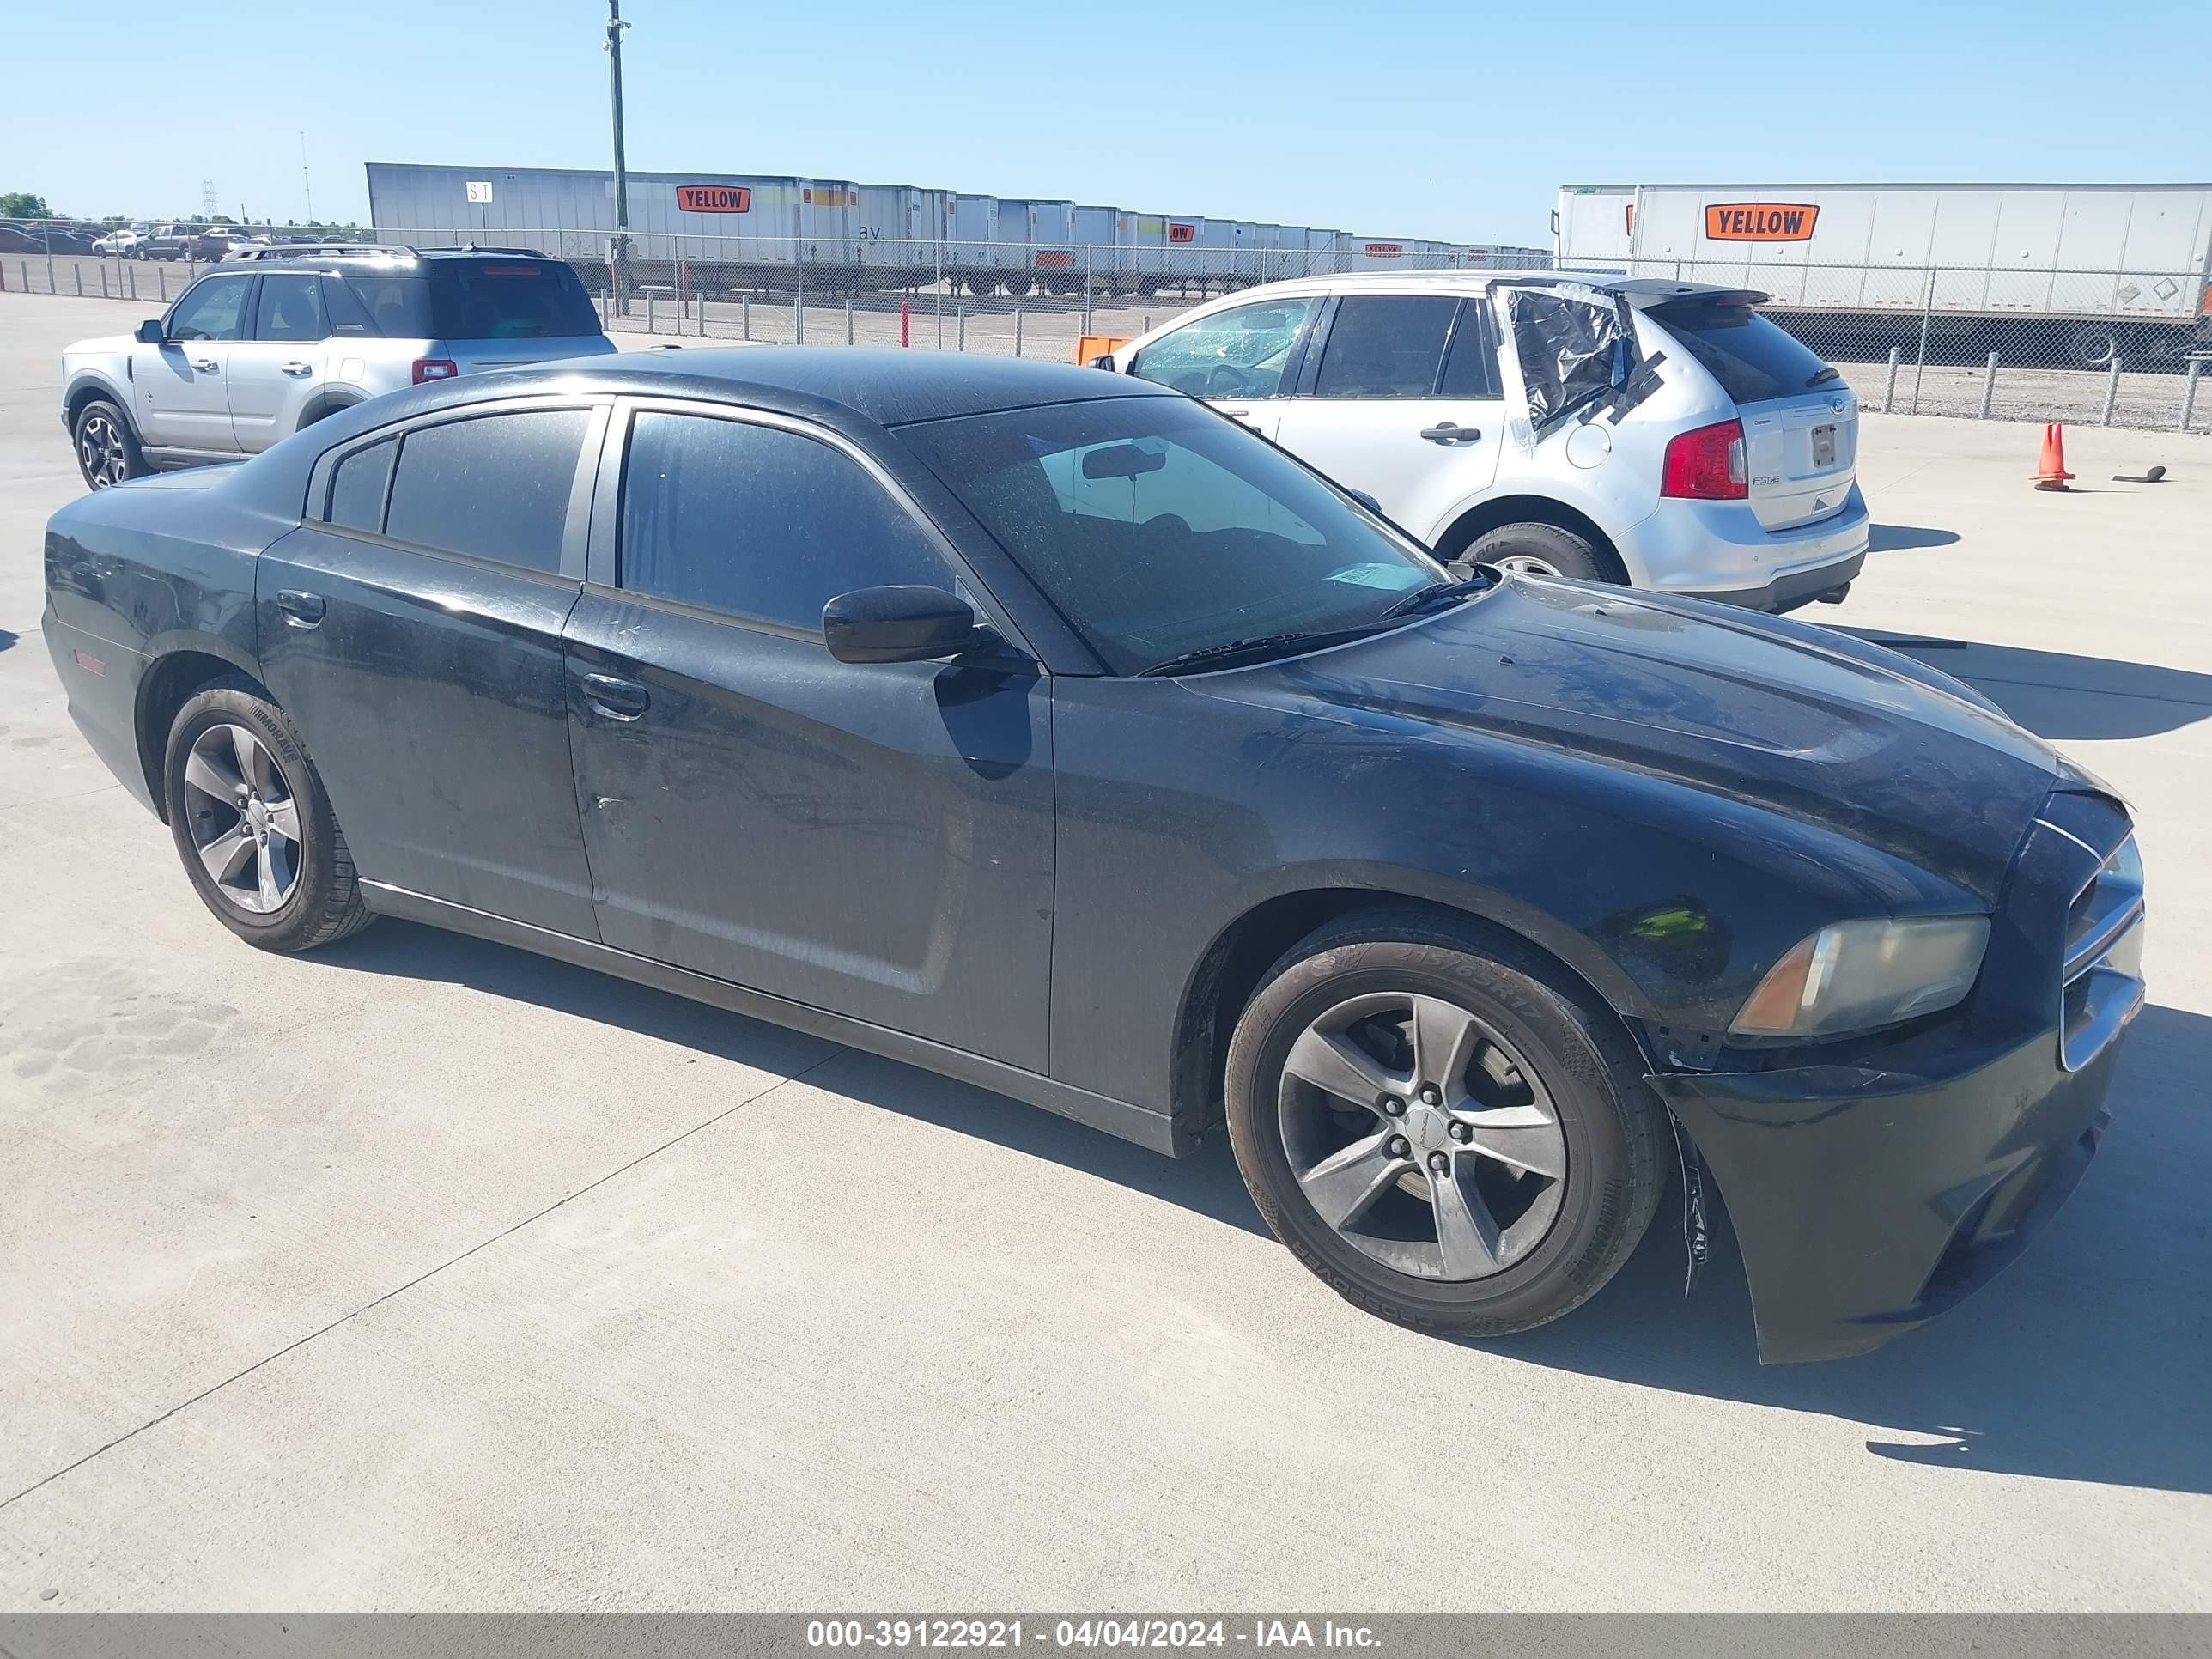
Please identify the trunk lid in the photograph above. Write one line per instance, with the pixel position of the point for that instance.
(477, 357)
(1801, 422)
(1802, 453)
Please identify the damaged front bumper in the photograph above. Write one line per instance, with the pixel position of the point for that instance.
(1866, 1202)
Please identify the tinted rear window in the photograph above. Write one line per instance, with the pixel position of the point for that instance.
(495, 486)
(477, 300)
(1751, 358)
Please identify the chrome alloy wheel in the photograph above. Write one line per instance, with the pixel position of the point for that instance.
(100, 448)
(243, 818)
(1419, 1134)
(1527, 564)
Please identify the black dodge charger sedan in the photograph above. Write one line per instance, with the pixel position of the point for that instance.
(1049, 730)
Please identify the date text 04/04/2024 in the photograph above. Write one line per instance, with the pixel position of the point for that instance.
(1085, 1633)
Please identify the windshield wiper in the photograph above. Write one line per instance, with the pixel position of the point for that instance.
(1258, 646)
(1422, 599)
(1827, 372)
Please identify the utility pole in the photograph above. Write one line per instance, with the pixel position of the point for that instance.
(305, 184)
(619, 263)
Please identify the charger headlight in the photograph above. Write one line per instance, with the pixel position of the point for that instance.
(1859, 976)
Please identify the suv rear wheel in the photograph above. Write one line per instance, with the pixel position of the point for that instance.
(1440, 1128)
(1539, 550)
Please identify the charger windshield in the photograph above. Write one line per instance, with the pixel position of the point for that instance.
(1160, 529)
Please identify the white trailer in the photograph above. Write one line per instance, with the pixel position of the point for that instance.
(2073, 273)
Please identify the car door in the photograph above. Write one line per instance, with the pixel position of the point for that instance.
(282, 361)
(870, 838)
(1239, 360)
(1400, 400)
(411, 627)
(183, 385)
(1589, 405)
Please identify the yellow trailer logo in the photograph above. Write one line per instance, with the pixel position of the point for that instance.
(713, 199)
(1760, 222)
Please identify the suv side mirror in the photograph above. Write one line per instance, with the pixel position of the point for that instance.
(897, 624)
(149, 331)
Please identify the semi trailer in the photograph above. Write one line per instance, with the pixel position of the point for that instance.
(2068, 274)
(718, 233)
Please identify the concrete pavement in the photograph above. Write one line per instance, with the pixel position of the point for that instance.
(419, 1274)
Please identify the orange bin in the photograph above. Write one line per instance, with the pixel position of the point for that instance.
(1097, 345)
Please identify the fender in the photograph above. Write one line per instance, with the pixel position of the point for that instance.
(324, 404)
(1387, 880)
(1600, 509)
(95, 382)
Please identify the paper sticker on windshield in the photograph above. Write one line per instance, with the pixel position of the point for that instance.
(1389, 577)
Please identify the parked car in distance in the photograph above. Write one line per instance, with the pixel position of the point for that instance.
(18, 237)
(255, 350)
(1663, 434)
(121, 244)
(170, 242)
(1051, 731)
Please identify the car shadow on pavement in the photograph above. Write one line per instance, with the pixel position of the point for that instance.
(2058, 696)
(7, 639)
(1900, 538)
(1205, 1182)
(2085, 1360)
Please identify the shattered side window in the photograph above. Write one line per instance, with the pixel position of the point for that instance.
(1570, 350)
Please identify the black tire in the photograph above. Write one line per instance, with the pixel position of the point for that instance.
(1614, 1171)
(1565, 552)
(324, 903)
(107, 450)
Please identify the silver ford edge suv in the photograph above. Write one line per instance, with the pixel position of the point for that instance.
(1660, 433)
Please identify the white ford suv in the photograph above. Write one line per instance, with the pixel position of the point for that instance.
(1663, 434)
(256, 349)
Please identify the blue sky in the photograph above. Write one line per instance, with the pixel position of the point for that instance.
(1455, 120)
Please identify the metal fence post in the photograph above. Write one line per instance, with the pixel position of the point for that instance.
(745, 315)
(79, 268)
(1988, 385)
(23, 270)
(652, 325)
(1017, 331)
(1088, 257)
(2111, 390)
(1147, 328)
(103, 279)
(1927, 314)
(161, 279)
(848, 319)
(52, 286)
(133, 270)
(962, 335)
(2189, 394)
(798, 298)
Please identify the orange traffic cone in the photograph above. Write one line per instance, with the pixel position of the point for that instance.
(2050, 471)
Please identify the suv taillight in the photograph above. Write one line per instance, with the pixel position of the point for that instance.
(1706, 464)
(444, 368)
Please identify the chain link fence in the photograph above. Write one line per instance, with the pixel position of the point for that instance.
(2100, 347)
(2086, 347)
